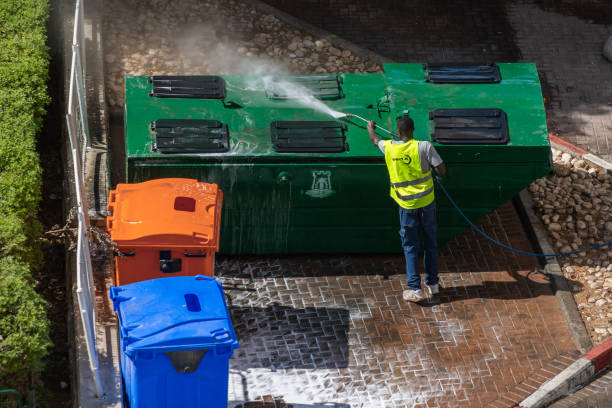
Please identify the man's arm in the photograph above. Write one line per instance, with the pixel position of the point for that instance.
(440, 169)
(372, 134)
(434, 158)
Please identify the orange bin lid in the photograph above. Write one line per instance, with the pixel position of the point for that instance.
(171, 212)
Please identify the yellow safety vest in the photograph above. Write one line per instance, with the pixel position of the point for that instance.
(410, 187)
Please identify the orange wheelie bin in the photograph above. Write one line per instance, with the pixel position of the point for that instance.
(164, 227)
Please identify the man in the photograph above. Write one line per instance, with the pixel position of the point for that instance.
(409, 163)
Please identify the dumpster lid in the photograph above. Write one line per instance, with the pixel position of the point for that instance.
(190, 136)
(320, 86)
(462, 73)
(178, 213)
(172, 314)
(308, 136)
(469, 126)
(188, 86)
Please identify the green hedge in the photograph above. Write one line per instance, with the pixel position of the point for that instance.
(24, 60)
(23, 324)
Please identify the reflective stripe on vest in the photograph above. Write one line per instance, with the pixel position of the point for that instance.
(411, 182)
(410, 187)
(415, 196)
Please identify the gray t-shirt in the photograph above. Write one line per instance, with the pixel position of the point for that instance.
(427, 154)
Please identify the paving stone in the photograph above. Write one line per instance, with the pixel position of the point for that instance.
(335, 328)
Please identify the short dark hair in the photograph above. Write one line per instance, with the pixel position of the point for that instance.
(405, 125)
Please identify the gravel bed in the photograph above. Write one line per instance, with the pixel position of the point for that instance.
(576, 206)
(163, 37)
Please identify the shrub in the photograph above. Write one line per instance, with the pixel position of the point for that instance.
(24, 327)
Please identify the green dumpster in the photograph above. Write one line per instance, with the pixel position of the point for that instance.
(297, 180)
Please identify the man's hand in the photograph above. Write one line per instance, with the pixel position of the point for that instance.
(441, 169)
(372, 133)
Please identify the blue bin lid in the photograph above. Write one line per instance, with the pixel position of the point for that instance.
(173, 314)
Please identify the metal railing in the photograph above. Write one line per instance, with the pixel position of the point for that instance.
(78, 132)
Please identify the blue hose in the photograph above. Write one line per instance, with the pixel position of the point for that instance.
(506, 246)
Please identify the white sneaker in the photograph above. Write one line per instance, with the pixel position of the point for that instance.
(412, 295)
(434, 289)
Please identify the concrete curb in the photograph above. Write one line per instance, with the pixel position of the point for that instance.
(552, 267)
(317, 32)
(564, 296)
(581, 371)
(567, 147)
(598, 358)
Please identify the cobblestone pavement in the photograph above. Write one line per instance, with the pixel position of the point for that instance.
(564, 39)
(336, 330)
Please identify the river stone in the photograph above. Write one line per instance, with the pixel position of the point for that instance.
(561, 170)
(566, 158)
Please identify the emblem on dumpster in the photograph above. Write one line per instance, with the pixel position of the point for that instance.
(321, 184)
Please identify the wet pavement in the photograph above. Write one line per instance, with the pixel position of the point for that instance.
(564, 39)
(334, 329)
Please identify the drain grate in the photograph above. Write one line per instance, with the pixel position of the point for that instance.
(469, 126)
(190, 136)
(195, 87)
(319, 86)
(462, 73)
(308, 137)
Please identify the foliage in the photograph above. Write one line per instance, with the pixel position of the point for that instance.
(24, 326)
(24, 60)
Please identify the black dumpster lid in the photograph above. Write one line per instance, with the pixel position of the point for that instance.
(469, 126)
(308, 136)
(320, 86)
(462, 73)
(194, 87)
(190, 136)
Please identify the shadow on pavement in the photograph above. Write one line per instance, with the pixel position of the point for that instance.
(280, 337)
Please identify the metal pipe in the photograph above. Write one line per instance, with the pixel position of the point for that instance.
(348, 115)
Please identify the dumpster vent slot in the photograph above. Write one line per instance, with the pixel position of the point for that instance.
(186, 361)
(184, 204)
(194, 87)
(190, 136)
(308, 137)
(319, 86)
(462, 73)
(192, 302)
(469, 126)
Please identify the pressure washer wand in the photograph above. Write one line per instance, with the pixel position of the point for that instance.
(348, 115)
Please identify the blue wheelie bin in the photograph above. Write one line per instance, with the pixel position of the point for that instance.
(176, 341)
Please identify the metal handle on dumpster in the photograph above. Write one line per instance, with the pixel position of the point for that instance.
(124, 254)
(188, 255)
(283, 177)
